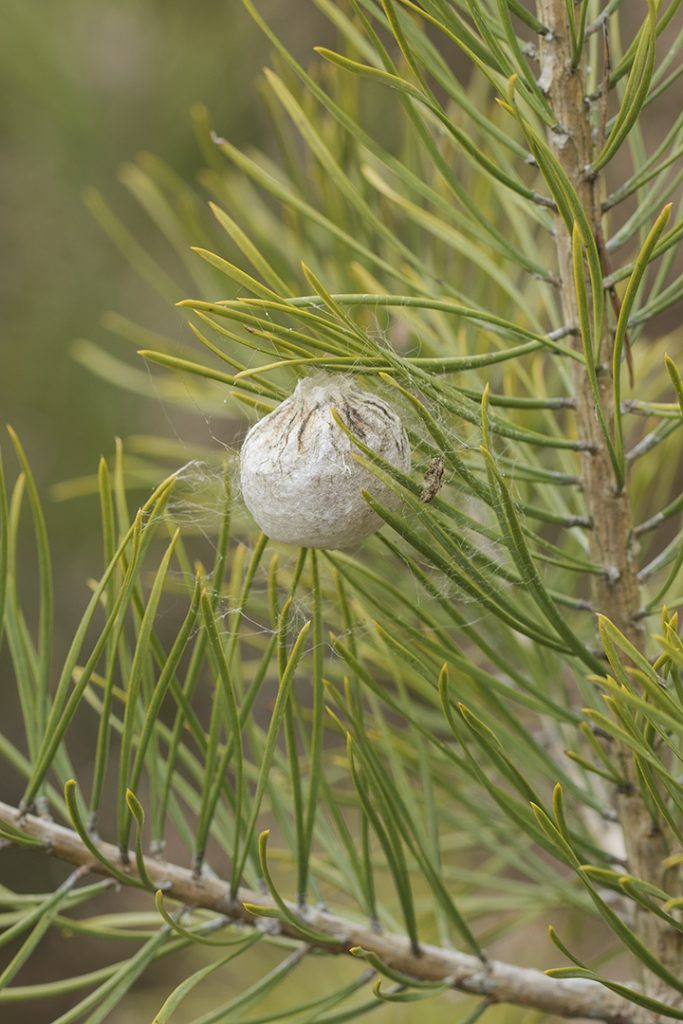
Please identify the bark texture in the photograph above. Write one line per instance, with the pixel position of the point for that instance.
(616, 592)
(492, 979)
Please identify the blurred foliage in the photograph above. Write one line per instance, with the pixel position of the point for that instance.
(85, 86)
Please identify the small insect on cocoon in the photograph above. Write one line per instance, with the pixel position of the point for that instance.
(299, 478)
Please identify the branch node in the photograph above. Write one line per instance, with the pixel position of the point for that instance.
(560, 136)
(268, 925)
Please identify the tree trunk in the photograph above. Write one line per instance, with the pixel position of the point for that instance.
(616, 592)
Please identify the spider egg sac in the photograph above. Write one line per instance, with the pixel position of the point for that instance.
(299, 479)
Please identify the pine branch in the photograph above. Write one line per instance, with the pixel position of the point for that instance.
(616, 592)
(495, 980)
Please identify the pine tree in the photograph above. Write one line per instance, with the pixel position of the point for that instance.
(471, 725)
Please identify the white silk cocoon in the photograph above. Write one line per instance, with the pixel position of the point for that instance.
(298, 477)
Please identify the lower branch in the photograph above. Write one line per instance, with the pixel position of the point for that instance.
(499, 982)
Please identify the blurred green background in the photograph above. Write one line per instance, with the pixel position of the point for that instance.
(85, 85)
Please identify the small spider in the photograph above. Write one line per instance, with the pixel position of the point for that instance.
(432, 480)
